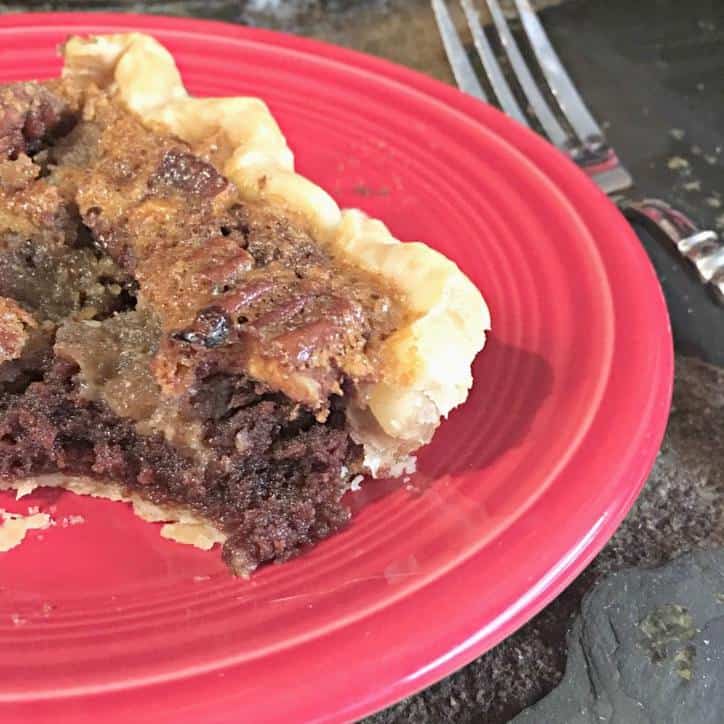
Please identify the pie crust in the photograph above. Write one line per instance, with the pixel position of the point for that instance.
(179, 524)
(425, 320)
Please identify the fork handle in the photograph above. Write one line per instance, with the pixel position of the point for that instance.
(702, 248)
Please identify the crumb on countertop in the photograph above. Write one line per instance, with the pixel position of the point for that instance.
(677, 163)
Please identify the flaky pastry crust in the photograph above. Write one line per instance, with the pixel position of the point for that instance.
(179, 524)
(425, 365)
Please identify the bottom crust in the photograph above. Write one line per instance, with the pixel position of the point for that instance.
(180, 525)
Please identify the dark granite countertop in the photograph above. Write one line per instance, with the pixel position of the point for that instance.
(653, 72)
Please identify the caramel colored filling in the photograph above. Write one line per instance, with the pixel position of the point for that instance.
(157, 331)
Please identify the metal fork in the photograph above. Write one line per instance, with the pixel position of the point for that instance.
(585, 142)
(587, 145)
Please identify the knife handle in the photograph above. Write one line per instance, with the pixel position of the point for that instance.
(702, 248)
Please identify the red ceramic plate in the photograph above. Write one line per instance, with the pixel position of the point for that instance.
(105, 621)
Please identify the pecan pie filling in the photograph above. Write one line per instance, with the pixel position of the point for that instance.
(159, 331)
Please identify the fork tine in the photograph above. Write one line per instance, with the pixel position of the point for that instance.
(551, 126)
(490, 64)
(560, 83)
(459, 62)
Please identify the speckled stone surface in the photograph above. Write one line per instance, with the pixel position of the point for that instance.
(647, 647)
(651, 71)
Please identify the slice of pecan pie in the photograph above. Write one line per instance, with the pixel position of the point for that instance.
(188, 324)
